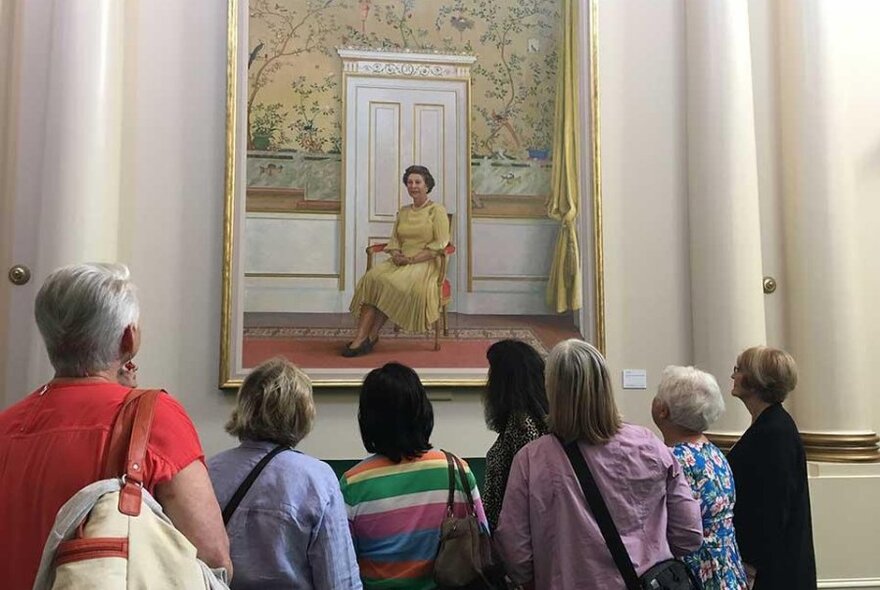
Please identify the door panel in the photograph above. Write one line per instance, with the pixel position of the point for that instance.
(394, 124)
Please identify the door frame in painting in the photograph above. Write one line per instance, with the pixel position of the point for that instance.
(367, 71)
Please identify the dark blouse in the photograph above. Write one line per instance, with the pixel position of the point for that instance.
(521, 429)
(772, 513)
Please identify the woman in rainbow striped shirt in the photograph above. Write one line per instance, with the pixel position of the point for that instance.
(396, 497)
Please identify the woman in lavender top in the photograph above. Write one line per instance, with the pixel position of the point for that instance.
(546, 534)
(688, 401)
(290, 530)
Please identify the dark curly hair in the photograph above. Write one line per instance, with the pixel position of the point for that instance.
(395, 415)
(423, 172)
(515, 385)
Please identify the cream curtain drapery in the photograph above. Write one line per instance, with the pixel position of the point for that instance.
(564, 285)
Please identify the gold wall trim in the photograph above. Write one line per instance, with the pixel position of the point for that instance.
(229, 187)
(469, 264)
(595, 129)
(510, 278)
(496, 216)
(841, 448)
(291, 275)
(475, 385)
(372, 216)
(824, 447)
(343, 175)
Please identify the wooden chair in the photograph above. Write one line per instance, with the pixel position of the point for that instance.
(444, 287)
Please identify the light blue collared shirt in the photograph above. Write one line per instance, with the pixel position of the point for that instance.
(291, 529)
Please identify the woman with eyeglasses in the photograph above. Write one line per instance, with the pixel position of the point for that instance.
(772, 513)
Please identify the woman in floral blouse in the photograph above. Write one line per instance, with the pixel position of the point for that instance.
(516, 408)
(688, 401)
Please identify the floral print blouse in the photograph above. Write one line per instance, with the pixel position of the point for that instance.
(717, 563)
(521, 429)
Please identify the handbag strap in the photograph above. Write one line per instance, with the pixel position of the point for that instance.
(242, 490)
(454, 465)
(603, 517)
(127, 449)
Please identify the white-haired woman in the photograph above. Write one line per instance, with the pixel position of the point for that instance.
(687, 403)
(290, 529)
(54, 441)
(546, 534)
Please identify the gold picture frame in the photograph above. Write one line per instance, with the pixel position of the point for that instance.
(235, 191)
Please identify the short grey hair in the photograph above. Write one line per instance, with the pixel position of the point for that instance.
(82, 311)
(692, 397)
(274, 404)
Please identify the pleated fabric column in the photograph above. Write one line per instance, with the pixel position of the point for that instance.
(79, 216)
(74, 170)
(832, 402)
(725, 234)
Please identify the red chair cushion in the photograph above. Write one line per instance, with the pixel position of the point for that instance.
(446, 289)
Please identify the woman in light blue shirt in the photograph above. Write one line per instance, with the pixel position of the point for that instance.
(290, 530)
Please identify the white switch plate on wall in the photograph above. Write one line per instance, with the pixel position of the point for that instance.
(635, 379)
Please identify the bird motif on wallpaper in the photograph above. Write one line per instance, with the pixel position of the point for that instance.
(254, 52)
(502, 120)
(271, 170)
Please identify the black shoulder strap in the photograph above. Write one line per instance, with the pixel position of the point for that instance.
(603, 517)
(242, 490)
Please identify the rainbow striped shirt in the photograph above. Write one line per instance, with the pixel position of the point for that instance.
(395, 511)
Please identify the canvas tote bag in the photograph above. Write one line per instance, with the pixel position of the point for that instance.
(112, 534)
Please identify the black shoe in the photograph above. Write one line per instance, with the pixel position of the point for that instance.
(365, 347)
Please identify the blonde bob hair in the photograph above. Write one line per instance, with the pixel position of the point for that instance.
(274, 404)
(582, 405)
(770, 373)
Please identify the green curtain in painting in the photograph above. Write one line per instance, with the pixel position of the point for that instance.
(564, 286)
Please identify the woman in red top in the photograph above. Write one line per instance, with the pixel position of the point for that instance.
(53, 442)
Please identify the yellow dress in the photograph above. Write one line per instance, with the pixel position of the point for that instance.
(408, 294)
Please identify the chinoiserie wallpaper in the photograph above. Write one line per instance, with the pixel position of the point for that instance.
(294, 86)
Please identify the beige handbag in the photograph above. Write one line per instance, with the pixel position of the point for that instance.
(464, 557)
(112, 534)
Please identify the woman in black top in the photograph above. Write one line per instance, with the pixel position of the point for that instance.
(516, 408)
(772, 512)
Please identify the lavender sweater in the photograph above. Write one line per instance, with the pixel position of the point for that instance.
(547, 534)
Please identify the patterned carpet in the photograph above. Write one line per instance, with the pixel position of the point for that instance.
(346, 334)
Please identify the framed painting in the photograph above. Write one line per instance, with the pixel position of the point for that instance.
(329, 103)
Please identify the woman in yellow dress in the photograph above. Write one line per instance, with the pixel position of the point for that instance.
(404, 287)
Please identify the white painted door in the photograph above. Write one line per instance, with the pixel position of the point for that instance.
(392, 124)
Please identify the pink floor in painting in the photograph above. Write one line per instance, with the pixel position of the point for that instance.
(316, 340)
